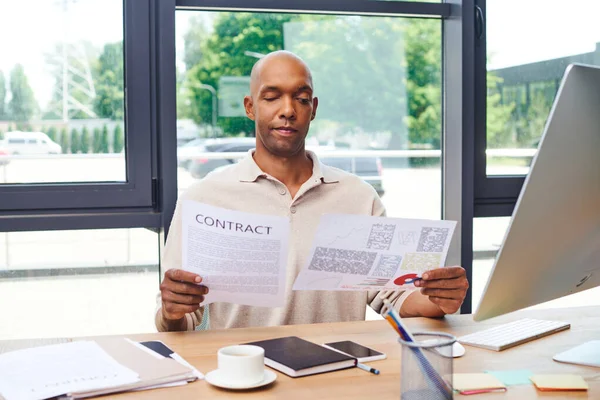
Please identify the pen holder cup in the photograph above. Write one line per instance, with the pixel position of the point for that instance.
(426, 369)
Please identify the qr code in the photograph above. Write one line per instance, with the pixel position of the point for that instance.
(407, 238)
(342, 261)
(387, 266)
(432, 240)
(421, 262)
(381, 236)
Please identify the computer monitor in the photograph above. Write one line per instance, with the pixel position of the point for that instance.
(552, 245)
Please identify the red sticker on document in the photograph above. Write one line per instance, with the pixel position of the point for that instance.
(402, 280)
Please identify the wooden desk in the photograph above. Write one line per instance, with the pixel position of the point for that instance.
(200, 349)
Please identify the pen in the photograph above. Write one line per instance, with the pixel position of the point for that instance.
(394, 319)
(413, 280)
(367, 368)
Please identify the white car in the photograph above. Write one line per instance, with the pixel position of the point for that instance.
(17, 143)
(186, 153)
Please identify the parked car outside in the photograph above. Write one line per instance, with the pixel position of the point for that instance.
(199, 167)
(29, 143)
(367, 168)
(186, 152)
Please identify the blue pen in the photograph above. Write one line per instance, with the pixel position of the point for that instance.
(394, 319)
(367, 368)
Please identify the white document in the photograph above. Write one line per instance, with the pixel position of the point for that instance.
(355, 252)
(49, 371)
(241, 257)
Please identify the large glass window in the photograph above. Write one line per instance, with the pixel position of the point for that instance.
(77, 283)
(62, 92)
(72, 136)
(529, 45)
(377, 79)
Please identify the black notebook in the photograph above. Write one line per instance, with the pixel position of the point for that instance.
(298, 357)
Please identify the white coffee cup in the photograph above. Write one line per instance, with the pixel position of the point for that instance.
(242, 364)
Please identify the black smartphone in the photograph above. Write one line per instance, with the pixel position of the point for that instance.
(158, 347)
(358, 351)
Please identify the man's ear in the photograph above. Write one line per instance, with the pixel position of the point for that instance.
(315, 105)
(249, 107)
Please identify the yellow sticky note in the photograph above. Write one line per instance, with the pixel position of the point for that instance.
(559, 382)
(467, 382)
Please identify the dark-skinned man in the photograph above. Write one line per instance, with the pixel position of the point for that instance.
(280, 177)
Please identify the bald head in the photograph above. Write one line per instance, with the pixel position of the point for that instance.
(281, 103)
(280, 60)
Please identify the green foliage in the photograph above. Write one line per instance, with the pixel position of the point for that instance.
(85, 140)
(22, 105)
(529, 128)
(52, 131)
(64, 140)
(104, 143)
(3, 110)
(499, 132)
(184, 107)
(423, 82)
(514, 119)
(375, 74)
(358, 71)
(1, 134)
(193, 41)
(75, 141)
(97, 141)
(23, 126)
(109, 101)
(222, 54)
(11, 127)
(118, 140)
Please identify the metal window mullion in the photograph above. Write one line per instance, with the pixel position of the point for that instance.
(138, 112)
(166, 110)
(459, 131)
(494, 195)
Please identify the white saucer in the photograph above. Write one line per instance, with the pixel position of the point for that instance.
(215, 378)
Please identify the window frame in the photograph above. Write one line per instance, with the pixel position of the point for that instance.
(495, 195)
(139, 201)
(151, 117)
(18, 198)
(458, 37)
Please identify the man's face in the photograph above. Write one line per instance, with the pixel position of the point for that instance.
(282, 106)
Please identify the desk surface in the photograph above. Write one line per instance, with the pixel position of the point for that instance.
(200, 349)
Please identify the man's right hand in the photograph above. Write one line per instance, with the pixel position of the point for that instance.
(181, 294)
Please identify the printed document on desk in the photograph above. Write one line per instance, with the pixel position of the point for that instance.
(355, 252)
(242, 257)
(49, 371)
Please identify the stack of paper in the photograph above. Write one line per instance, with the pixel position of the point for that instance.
(49, 371)
(84, 369)
(559, 382)
(476, 383)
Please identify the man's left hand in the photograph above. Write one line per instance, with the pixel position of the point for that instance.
(445, 287)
